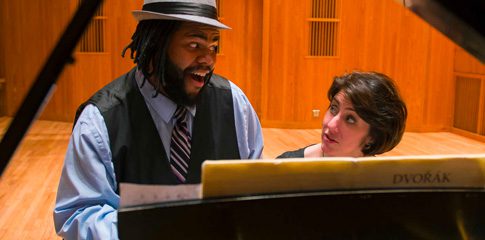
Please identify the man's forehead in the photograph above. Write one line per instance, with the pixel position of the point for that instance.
(198, 27)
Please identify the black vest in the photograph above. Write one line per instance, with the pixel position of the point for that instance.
(136, 147)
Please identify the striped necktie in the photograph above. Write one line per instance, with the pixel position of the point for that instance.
(180, 145)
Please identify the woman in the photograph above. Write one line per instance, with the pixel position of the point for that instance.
(366, 117)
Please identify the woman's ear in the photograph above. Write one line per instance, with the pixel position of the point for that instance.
(368, 142)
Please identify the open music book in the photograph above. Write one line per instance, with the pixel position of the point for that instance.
(224, 178)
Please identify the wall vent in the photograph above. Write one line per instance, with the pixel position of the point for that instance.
(467, 103)
(324, 27)
(93, 40)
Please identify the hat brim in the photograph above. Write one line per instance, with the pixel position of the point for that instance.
(147, 15)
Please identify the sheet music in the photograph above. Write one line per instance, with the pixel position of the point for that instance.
(139, 194)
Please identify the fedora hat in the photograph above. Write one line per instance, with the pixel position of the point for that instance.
(199, 11)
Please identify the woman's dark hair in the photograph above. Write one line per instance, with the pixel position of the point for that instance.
(149, 47)
(376, 100)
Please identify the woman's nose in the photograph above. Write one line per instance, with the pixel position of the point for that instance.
(333, 124)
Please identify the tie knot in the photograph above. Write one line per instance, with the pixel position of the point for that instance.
(180, 113)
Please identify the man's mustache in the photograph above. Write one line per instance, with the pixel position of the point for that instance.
(210, 69)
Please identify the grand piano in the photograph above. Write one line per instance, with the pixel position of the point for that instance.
(399, 213)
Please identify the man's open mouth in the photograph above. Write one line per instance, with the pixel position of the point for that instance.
(198, 76)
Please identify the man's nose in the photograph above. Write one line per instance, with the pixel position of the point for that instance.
(206, 57)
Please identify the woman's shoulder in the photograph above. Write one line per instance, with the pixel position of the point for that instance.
(293, 154)
(314, 151)
(300, 153)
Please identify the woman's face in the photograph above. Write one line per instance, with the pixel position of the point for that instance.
(344, 133)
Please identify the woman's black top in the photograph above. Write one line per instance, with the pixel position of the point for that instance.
(300, 153)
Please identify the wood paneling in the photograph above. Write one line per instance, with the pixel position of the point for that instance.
(240, 58)
(466, 63)
(467, 96)
(481, 117)
(374, 35)
(78, 81)
(122, 25)
(265, 54)
(288, 92)
(466, 66)
(439, 94)
(2, 39)
(32, 31)
(81, 80)
(90, 72)
(3, 109)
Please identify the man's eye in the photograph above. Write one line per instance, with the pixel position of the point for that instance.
(213, 48)
(194, 45)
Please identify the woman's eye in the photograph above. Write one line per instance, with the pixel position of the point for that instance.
(333, 109)
(350, 119)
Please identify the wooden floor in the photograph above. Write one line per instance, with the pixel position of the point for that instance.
(29, 184)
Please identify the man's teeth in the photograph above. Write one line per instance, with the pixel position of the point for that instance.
(200, 74)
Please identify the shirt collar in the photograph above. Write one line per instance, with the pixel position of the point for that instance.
(162, 105)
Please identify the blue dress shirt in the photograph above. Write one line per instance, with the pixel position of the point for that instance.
(86, 204)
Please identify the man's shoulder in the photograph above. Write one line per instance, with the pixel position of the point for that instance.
(218, 81)
(122, 82)
(113, 93)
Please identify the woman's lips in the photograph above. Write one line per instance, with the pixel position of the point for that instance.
(328, 139)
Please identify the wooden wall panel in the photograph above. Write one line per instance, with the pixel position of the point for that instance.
(439, 95)
(90, 72)
(374, 35)
(241, 47)
(410, 58)
(467, 103)
(3, 109)
(481, 118)
(466, 63)
(288, 91)
(59, 104)
(94, 70)
(265, 54)
(2, 39)
(80, 81)
(29, 42)
(122, 25)
(467, 66)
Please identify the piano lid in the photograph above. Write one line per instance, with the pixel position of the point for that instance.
(462, 21)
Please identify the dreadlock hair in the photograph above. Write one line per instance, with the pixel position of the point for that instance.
(149, 48)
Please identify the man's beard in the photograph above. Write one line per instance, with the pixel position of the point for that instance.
(174, 86)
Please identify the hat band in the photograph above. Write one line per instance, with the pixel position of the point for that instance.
(195, 9)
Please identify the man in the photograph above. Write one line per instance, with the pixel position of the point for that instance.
(157, 123)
